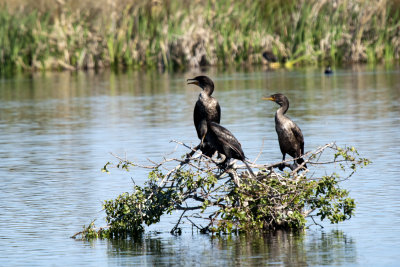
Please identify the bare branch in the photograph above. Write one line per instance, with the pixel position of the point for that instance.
(177, 230)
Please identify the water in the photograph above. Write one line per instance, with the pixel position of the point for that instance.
(57, 131)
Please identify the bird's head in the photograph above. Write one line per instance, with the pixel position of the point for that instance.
(202, 81)
(280, 99)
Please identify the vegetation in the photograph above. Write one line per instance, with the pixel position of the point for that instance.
(230, 200)
(171, 34)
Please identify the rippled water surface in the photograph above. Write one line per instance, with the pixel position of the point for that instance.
(57, 131)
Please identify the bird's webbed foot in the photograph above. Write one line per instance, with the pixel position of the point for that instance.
(281, 166)
(206, 149)
(297, 166)
(190, 155)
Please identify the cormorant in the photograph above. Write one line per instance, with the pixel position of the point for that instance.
(213, 136)
(207, 108)
(220, 139)
(291, 140)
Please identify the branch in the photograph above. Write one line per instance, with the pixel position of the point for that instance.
(193, 224)
(312, 217)
(175, 229)
(259, 154)
(178, 207)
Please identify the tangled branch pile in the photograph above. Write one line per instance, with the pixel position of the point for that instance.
(222, 201)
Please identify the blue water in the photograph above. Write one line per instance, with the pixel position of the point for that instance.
(57, 131)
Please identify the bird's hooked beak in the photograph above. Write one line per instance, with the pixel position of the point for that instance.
(193, 81)
(271, 98)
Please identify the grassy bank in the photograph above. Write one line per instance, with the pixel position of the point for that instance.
(173, 34)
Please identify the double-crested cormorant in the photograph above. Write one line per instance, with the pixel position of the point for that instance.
(206, 117)
(220, 139)
(207, 108)
(291, 140)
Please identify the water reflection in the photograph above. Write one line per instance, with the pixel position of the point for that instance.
(280, 248)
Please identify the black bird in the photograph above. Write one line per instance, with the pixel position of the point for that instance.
(220, 139)
(328, 70)
(291, 140)
(270, 57)
(207, 108)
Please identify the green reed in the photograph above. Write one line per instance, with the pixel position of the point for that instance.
(176, 34)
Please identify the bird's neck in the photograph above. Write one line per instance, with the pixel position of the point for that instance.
(208, 90)
(280, 113)
(205, 95)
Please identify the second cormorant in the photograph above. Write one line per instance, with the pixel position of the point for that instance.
(290, 137)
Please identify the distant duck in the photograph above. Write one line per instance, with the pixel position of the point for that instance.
(328, 70)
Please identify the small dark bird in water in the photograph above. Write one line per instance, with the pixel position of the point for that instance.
(270, 57)
(291, 140)
(328, 70)
(220, 139)
(207, 108)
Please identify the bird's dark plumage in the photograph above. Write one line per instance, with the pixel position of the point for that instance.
(328, 70)
(270, 57)
(206, 118)
(290, 137)
(220, 139)
(207, 108)
(224, 141)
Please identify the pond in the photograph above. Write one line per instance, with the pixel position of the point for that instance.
(57, 131)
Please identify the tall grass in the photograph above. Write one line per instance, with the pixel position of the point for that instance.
(74, 34)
